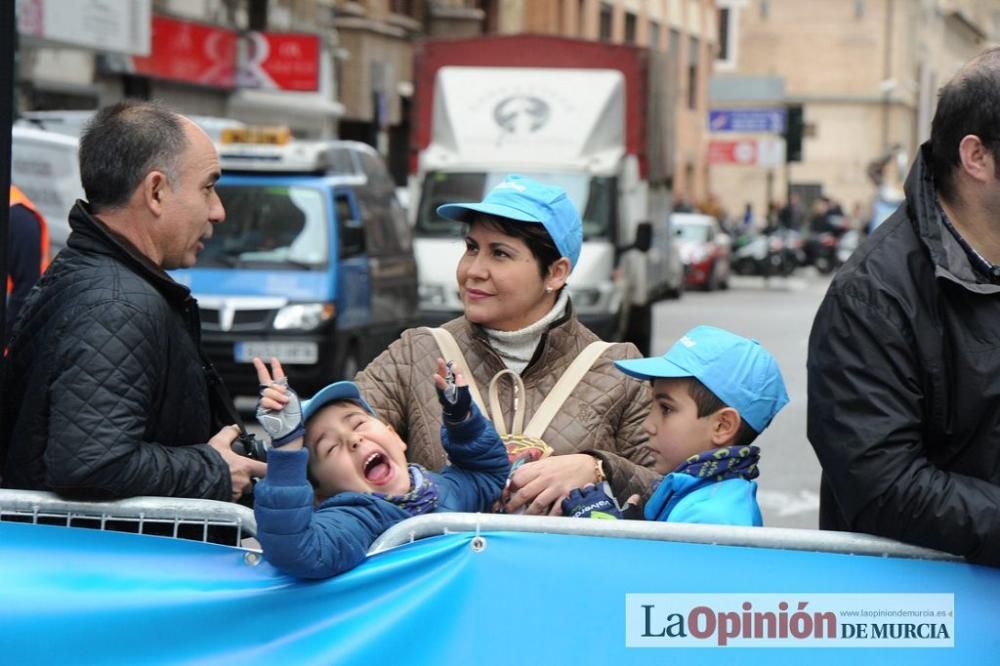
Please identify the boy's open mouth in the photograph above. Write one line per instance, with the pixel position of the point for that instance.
(377, 469)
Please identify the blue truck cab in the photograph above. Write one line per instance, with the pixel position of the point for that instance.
(313, 265)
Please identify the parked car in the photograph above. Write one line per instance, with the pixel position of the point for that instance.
(704, 248)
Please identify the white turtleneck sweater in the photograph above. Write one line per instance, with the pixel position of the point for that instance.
(517, 347)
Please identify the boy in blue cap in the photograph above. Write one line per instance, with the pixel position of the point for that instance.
(713, 393)
(359, 483)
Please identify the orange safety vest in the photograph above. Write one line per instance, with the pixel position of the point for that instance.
(18, 198)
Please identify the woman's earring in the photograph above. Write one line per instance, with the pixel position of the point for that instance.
(548, 290)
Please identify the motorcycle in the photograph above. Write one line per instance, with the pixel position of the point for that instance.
(761, 254)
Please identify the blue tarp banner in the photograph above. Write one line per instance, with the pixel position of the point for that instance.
(82, 596)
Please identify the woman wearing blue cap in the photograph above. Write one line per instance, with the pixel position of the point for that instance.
(522, 244)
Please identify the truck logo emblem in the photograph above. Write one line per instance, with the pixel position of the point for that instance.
(520, 114)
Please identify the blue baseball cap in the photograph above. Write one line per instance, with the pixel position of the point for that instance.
(736, 369)
(334, 392)
(526, 200)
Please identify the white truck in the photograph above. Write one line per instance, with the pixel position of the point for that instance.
(588, 117)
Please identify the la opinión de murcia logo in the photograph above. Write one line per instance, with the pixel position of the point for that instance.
(799, 620)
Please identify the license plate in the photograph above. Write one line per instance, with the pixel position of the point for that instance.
(290, 353)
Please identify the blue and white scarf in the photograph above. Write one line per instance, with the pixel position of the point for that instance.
(423, 496)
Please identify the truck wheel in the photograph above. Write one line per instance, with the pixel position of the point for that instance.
(712, 283)
(349, 365)
(676, 291)
(621, 324)
(640, 327)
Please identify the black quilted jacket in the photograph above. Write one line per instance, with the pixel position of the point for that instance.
(904, 387)
(104, 391)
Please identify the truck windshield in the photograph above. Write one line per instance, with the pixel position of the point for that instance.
(269, 226)
(594, 196)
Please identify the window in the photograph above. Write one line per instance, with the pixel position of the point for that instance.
(765, 9)
(724, 47)
(274, 227)
(630, 28)
(654, 34)
(859, 9)
(604, 33)
(404, 7)
(352, 234)
(674, 47)
(728, 37)
(594, 196)
(693, 73)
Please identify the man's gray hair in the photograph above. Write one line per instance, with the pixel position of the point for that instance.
(122, 143)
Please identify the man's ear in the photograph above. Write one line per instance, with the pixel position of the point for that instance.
(558, 273)
(725, 426)
(975, 158)
(154, 189)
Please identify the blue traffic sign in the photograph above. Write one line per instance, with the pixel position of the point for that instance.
(747, 120)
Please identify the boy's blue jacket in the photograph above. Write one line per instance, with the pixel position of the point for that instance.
(682, 498)
(307, 541)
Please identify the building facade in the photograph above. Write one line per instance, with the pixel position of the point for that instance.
(186, 56)
(364, 61)
(865, 72)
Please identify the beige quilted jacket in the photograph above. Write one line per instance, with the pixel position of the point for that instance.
(602, 416)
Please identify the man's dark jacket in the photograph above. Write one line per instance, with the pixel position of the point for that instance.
(904, 387)
(105, 393)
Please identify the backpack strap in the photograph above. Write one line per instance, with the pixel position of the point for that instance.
(499, 421)
(451, 352)
(557, 396)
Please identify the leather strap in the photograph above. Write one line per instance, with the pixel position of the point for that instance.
(564, 387)
(499, 421)
(550, 406)
(451, 352)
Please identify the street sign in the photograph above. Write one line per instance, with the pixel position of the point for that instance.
(732, 152)
(747, 120)
(764, 151)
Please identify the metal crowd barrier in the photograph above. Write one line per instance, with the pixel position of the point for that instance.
(234, 525)
(434, 524)
(196, 519)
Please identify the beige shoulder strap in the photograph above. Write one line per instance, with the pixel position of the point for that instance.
(451, 352)
(499, 421)
(557, 396)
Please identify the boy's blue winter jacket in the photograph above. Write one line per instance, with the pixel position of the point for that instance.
(682, 498)
(311, 541)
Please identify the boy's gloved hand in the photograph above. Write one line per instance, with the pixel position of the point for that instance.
(453, 394)
(594, 502)
(283, 424)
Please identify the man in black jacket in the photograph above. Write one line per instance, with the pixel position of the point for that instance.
(105, 390)
(904, 355)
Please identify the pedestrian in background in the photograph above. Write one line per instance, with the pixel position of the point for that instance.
(904, 374)
(29, 252)
(106, 393)
(790, 216)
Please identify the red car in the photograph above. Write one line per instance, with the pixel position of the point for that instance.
(704, 249)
